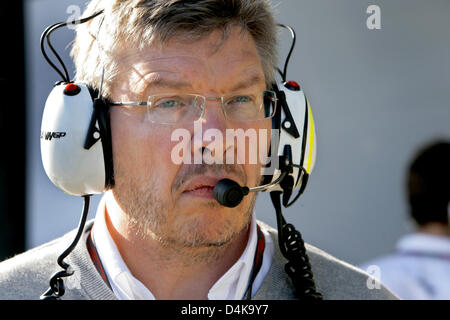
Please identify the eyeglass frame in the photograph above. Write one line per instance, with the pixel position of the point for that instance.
(202, 106)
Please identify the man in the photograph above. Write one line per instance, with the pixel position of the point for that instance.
(159, 233)
(419, 269)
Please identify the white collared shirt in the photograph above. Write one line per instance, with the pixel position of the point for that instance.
(231, 286)
(419, 269)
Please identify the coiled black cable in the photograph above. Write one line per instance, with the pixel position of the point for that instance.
(293, 249)
(56, 289)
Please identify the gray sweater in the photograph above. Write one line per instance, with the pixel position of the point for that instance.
(26, 276)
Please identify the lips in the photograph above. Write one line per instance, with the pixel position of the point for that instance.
(202, 186)
(202, 192)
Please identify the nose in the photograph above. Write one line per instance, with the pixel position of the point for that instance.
(209, 143)
(213, 116)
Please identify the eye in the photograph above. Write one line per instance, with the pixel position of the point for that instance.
(242, 99)
(170, 102)
(239, 100)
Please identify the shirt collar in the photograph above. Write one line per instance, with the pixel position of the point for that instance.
(424, 243)
(123, 283)
(232, 285)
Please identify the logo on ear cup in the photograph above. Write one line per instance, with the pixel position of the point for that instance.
(48, 135)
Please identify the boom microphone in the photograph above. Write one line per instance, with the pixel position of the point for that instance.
(229, 193)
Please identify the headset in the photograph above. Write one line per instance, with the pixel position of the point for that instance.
(76, 151)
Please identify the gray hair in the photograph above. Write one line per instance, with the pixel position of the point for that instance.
(137, 23)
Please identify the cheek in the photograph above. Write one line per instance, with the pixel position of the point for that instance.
(140, 150)
(256, 152)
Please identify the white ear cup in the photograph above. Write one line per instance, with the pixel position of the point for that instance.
(65, 123)
(303, 147)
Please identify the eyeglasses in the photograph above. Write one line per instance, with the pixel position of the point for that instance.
(176, 108)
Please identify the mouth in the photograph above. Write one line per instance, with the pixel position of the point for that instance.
(202, 186)
(201, 192)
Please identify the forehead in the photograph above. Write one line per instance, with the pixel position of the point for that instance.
(211, 63)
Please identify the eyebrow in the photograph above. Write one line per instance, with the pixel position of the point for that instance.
(166, 84)
(253, 80)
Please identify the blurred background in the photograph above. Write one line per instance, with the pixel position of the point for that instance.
(377, 96)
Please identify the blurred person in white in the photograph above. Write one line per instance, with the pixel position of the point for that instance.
(419, 269)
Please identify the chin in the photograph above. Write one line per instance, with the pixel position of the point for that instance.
(209, 227)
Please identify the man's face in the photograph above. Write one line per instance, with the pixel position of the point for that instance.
(173, 203)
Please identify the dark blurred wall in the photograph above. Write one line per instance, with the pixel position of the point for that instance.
(12, 130)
